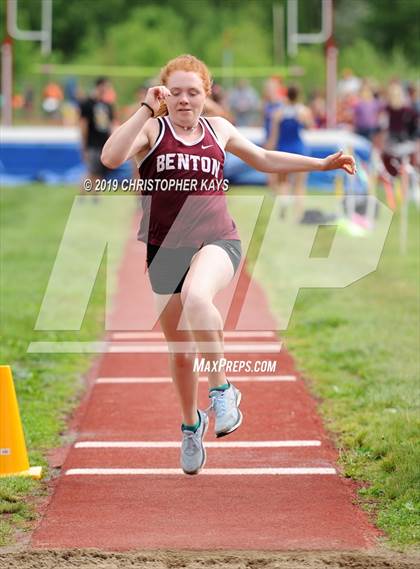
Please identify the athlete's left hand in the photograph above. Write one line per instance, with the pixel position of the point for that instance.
(339, 160)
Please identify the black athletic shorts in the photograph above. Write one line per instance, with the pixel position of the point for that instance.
(169, 268)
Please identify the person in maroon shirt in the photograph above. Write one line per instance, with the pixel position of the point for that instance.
(401, 119)
(193, 247)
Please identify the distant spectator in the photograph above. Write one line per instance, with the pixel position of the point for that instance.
(402, 122)
(96, 123)
(279, 86)
(216, 104)
(318, 107)
(70, 107)
(52, 96)
(366, 113)
(401, 116)
(345, 110)
(71, 90)
(274, 96)
(414, 131)
(286, 136)
(349, 84)
(18, 101)
(110, 95)
(244, 103)
(414, 127)
(218, 95)
(414, 96)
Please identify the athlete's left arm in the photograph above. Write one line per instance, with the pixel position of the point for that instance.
(283, 162)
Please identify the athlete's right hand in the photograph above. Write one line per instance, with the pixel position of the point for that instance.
(155, 95)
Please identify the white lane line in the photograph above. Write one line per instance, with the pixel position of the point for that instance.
(208, 471)
(236, 334)
(67, 347)
(177, 444)
(235, 379)
(147, 347)
(207, 347)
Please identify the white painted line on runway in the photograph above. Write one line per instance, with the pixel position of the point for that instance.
(205, 347)
(236, 334)
(208, 471)
(105, 347)
(177, 444)
(42, 347)
(235, 379)
(116, 348)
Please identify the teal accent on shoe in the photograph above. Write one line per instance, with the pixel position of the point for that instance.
(220, 388)
(192, 428)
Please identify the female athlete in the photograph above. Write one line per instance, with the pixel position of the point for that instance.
(193, 247)
(285, 135)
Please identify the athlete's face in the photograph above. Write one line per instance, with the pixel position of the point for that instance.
(187, 97)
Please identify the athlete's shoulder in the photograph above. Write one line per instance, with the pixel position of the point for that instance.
(152, 128)
(147, 138)
(215, 120)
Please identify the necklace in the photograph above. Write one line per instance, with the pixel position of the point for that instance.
(187, 128)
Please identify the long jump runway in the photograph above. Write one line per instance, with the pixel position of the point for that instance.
(272, 485)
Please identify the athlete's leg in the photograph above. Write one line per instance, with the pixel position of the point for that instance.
(181, 363)
(211, 270)
(272, 180)
(284, 192)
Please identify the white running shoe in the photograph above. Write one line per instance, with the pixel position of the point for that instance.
(193, 453)
(225, 406)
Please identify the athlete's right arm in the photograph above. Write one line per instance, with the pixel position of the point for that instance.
(133, 136)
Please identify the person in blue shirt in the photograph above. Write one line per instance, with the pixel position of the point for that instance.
(286, 136)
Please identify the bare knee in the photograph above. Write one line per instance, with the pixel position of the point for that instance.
(183, 360)
(195, 303)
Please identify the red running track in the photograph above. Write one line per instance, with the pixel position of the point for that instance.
(222, 509)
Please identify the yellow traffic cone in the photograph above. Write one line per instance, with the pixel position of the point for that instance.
(13, 455)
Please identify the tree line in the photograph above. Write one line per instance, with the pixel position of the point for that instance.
(147, 33)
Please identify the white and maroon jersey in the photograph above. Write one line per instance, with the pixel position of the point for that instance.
(183, 195)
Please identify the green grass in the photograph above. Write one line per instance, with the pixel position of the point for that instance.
(358, 347)
(48, 386)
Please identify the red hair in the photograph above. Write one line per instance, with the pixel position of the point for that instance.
(185, 63)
